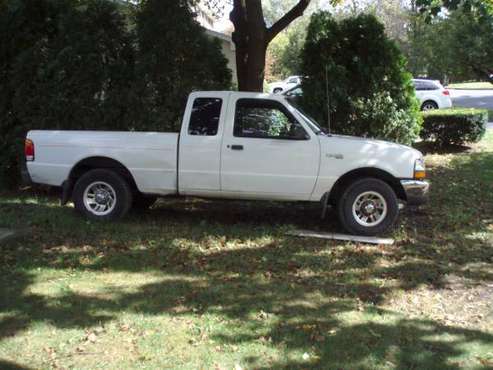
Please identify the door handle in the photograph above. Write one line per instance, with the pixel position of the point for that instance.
(236, 147)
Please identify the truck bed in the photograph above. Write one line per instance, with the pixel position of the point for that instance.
(151, 157)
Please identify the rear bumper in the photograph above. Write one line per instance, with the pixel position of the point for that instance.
(416, 191)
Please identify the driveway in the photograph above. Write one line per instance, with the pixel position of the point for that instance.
(472, 98)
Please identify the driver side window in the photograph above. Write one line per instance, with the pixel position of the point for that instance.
(266, 119)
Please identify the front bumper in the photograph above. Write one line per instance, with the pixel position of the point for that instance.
(416, 191)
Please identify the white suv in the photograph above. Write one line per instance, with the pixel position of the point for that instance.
(432, 95)
(281, 86)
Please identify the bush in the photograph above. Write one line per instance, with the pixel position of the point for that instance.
(175, 57)
(370, 91)
(67, 65)
(79, 65)
(454, 126)
(383, 118)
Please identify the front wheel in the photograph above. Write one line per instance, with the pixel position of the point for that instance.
(102, 195)
(368, 207)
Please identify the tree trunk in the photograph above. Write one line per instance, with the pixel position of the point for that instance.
(251, 37)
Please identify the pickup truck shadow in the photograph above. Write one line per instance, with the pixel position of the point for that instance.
(253, 213)
(226, 259)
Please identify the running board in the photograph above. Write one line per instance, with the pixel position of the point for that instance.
(345, 237)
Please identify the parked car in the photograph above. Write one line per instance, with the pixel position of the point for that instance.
(432, 95)
(232, 145)
(279, 87)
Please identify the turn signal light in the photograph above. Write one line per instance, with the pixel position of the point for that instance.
(29, 150)
(419, 169)
(420, 175)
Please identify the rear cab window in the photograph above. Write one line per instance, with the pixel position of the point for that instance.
(205, 116)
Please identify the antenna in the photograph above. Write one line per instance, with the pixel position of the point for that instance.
(327, 97)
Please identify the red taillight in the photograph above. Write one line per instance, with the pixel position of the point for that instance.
(446, 92)
(29, 150)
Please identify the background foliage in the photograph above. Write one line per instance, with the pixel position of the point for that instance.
(96, 64)
(284, 57)
(450, 40)
(458, 47)
(369, 88)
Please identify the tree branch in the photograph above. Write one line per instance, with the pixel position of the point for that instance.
(281, 24)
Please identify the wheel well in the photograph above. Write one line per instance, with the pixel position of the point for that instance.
(360, 173)
(92, 163)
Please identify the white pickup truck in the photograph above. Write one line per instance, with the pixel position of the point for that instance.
(232, 145)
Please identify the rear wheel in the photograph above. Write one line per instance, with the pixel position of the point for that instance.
(102, 195)
(429, 105)
(277, 90)
(368, 207)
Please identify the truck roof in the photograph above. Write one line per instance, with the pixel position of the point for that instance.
(240, 93)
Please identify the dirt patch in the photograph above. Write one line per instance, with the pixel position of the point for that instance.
(461, 302)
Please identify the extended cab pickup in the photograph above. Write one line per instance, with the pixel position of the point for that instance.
(232, 145)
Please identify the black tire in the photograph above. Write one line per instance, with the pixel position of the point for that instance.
(122, 194)
(429, 105)
(277, 90)
(142, 202)
(354, 191)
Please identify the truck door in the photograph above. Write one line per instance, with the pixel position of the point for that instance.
(200, 144)
(267, 152)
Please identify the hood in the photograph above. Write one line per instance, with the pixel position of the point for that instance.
(373, 144)
(342, 153)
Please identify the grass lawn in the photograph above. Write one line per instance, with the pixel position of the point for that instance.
(217, 285)
(472, 86)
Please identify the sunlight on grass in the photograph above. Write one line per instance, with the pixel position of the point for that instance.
(193, 284)
(472, 86)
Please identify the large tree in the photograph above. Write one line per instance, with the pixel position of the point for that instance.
(252, 36)
(468, 33)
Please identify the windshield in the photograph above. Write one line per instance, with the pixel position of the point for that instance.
(314, 126)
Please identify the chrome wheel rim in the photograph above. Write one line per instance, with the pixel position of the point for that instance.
(369, 209)
(100, 198)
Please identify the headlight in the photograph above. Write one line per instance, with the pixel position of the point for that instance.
(419, 169)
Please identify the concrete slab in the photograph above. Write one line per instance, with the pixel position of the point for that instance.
(343, 237)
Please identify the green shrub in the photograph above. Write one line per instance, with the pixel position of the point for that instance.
(67, 65)
(379, 116)
(175, 57)
(88, 64)
(454, 126)
(370, 91)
